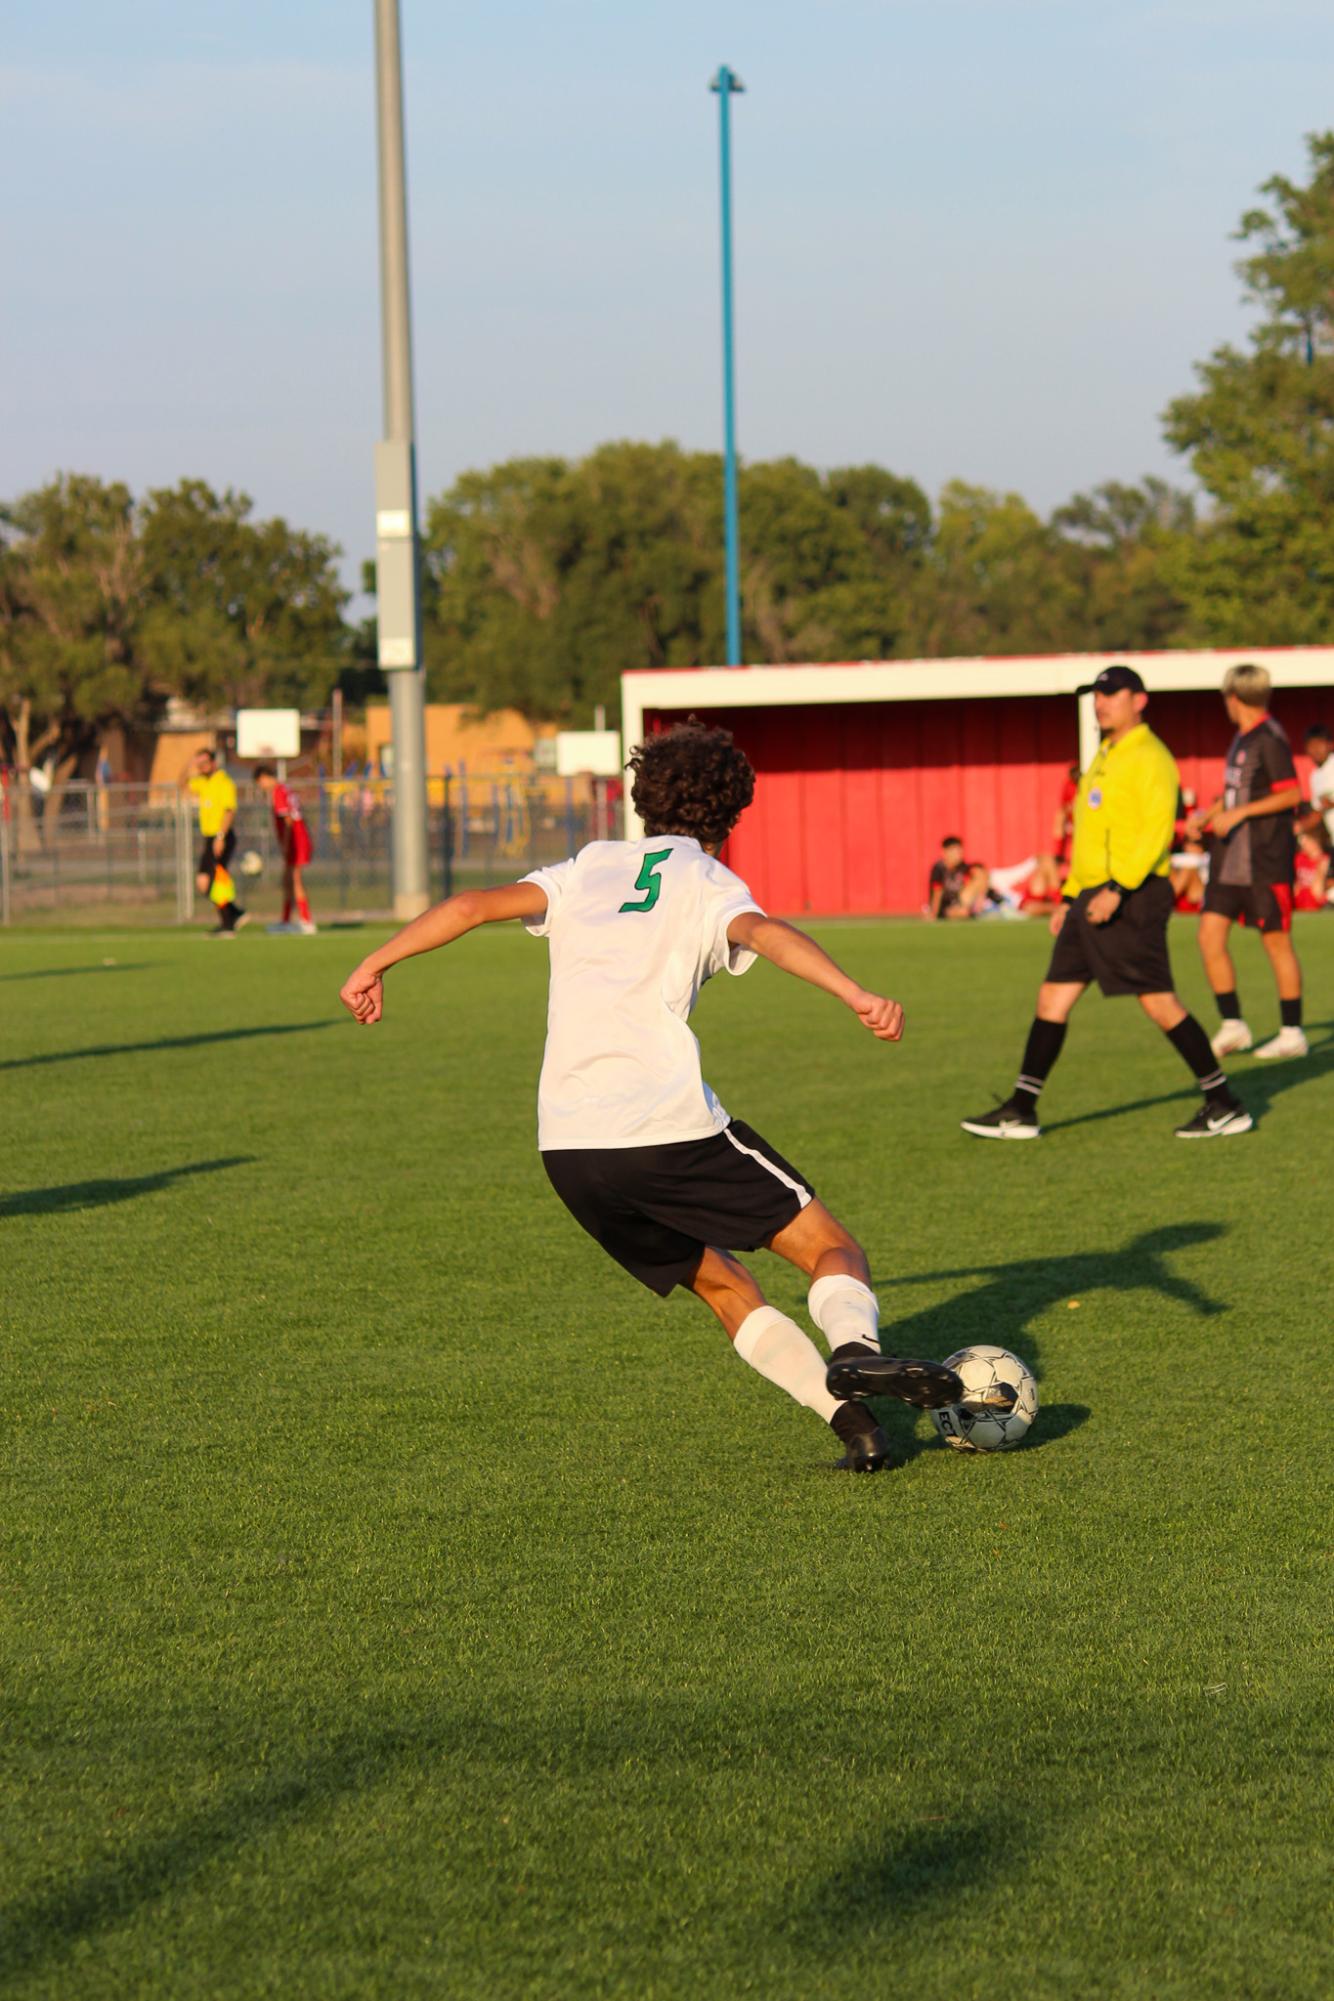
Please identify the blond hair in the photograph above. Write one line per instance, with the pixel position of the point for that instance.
(1250, 685)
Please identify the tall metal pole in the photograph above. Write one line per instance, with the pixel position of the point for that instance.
(727, 84)
(398, 601)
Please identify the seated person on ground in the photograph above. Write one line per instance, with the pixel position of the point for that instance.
(1312, 889)
(955, 887)
(1189, 873)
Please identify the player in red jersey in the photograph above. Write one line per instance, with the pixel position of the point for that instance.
(289, 824)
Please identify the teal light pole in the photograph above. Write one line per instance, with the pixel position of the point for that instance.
(727, 83)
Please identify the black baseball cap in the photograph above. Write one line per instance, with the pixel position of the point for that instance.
(1112, 680)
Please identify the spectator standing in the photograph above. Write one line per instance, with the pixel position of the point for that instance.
(1251, 864)
(1063, 826)
(215, 795)
(102, 779)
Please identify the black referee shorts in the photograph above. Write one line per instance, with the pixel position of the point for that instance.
(1127, 956)
(209, 863)
(656, 1209)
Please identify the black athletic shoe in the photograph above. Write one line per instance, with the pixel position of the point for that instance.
(1216, 1122)
(927, 1385)
(868, 1452)
(1009, 1121)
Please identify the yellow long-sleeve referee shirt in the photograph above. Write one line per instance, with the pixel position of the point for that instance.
(1125, 811)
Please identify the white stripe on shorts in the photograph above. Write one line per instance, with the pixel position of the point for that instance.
(799, 1188)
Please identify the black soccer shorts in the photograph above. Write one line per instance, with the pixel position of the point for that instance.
(1127, 956)
(1263, 906)
(656, 1209)
(208, 861)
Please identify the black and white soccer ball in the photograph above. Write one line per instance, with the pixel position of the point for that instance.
(251, 862)
(999, 1403)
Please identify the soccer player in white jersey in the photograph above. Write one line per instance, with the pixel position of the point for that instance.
(633, 1140)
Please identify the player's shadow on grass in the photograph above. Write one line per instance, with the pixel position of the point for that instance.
(1257, 1085)
(163, 1042)
(75, 1195)
(51, 1926)
(883, 1886)
(914, 1873)
(72, 972)
(1000, 1311)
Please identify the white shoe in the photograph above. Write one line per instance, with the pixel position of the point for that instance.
(305, 926)
(1231, 1036)
(1288, 1042)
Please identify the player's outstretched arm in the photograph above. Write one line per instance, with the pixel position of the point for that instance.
(362, 993)
(793, 952)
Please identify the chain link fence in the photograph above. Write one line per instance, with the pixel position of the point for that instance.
(128, 852)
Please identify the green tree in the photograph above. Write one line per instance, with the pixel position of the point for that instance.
(543, 581)
(1260, 434)
(71, 621)
(1120, 544)
(108, 607)
(995, 580)
(241, 613)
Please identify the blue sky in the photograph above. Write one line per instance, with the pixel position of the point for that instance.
(975, 238)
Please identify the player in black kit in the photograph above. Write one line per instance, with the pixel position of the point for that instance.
(1253, 851)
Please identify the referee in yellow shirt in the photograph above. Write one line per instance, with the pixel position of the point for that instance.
(1112, 923)
(216, 796)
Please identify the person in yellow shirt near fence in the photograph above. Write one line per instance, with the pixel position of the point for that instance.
(1112, 922)
(216, 797)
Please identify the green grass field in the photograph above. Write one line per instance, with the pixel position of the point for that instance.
(400, 1602)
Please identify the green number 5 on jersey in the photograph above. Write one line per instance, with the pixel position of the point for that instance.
(647, 879)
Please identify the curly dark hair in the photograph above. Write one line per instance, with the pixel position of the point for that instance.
(691, 779)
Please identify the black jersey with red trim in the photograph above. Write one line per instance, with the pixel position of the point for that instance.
(1259, 762)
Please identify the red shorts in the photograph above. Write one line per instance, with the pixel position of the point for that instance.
(298, 848)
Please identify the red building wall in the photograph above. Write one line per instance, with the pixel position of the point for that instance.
(852, 800)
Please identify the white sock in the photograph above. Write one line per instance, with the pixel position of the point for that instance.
(777, 1348)
(845, 1310)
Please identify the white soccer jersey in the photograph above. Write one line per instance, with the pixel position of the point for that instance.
(1322, 787)
(634, 928)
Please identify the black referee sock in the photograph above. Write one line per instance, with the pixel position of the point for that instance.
(1290, 1012)
(1040, 1052)
(1192, 1045)
(1229, 1007)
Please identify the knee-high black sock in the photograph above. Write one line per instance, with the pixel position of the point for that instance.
(1192, 1046)
(1229, 1006)
(1290, 1012)
(1040, 1052)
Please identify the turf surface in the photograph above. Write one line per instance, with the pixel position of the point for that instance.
(400, 1602)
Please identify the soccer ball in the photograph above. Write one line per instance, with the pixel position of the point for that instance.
(251, 862)
(999, 1403)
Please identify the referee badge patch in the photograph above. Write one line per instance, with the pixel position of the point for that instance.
(1095, 795)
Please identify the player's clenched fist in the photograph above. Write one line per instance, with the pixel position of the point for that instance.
(883, 1017)
(362, 994)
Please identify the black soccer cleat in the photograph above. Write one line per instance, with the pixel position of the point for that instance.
(1216, 1122)
(1008, 1121)
(925, 1385)
(867, 1452)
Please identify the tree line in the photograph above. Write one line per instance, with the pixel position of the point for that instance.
(545, 578)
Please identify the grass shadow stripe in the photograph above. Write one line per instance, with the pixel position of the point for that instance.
(163, 1042)
(72, 1196)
